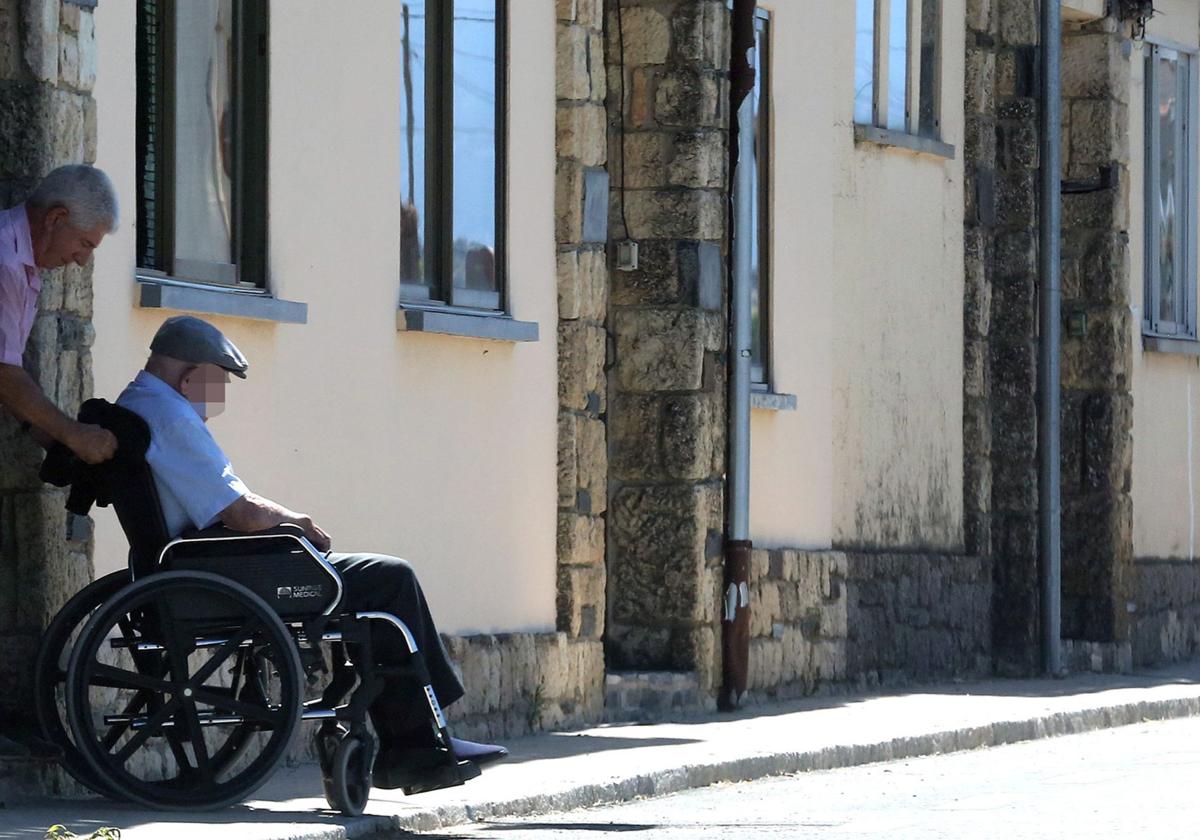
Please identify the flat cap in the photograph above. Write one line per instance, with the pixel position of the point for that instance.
(191, 340)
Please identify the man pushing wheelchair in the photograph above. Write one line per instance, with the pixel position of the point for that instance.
(205, 507)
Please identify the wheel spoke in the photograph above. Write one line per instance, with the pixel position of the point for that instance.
(108, 676)
(139, 737)
(222, 653)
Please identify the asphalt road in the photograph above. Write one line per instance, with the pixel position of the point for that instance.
(1139, 781)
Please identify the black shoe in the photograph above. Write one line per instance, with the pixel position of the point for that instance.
(478, 754)
(421, 769)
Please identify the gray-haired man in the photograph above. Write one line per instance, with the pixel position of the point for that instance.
(63, 221)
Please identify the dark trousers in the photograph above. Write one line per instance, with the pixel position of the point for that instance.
(376, 582)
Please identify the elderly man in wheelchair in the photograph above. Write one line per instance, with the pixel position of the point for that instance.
(178, 683)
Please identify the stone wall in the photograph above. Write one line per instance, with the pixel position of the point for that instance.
(824, 619)
(1097, 404)
(1167, 619)
(667, 384)
(1000, 354)
(47, 118)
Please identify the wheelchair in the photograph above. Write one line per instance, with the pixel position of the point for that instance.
(179, 683)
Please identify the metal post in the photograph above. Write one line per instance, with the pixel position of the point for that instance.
(735, 625)
(1049, 417)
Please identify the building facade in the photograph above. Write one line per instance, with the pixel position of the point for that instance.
(418, 221)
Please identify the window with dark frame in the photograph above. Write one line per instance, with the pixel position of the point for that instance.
(760, 236)
(452, 155)
(201, 141)
(897, 65)
(1171, 189)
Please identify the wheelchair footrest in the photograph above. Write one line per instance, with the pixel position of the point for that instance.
(444, 776)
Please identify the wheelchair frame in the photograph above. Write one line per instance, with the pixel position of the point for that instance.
(156, 619)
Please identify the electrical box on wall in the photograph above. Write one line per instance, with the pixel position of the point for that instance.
(627, 255)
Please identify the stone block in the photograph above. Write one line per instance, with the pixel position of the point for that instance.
(1014, 307)
(647, 35)
(580, 600)
(590, 13)
(645, 159)
(1016, 200)
(979, 141)
(700, 32)
(1090, 63)
(635, 423)
(89, 130)
(581, 358)
(582, 132)
(1017, 144)
(597, 72)
(1099, 132)
(572, 79)
(663, 349)
(10, 42)
(568, 202)
(675, 214)
(980, 81)
(68, 59)
(693, 439)
(1019, 22)
(580, 539)
(568, 465)
(40, 24)
(593, 462)
(564, 10)
(699, 160)
(979, 15)
(687, 98)
(975, 369)
(657, 553)
(656, 280)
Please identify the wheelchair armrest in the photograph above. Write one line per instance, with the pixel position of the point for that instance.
(285, 529)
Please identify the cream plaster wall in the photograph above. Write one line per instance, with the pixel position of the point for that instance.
(867, 309)
(1166, 388)
(437, 449)
(791, 470)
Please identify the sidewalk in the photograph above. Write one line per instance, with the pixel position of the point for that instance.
(612, 763)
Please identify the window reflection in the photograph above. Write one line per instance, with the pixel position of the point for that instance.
(412, 152)
(897, 92)
(864, 62)
(760, 185)
(475, 144)
(204, 131)
(1169, 176)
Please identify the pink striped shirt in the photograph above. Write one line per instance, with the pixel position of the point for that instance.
(20, 284)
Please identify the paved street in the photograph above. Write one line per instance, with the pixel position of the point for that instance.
(1134, 782)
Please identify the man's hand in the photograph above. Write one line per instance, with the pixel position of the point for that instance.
(92, 444)
(316, 535)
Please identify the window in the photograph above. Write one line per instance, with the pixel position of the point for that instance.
(453, 55)
(201, 140)
(1170, 288)
(759, 199)
(897, 65)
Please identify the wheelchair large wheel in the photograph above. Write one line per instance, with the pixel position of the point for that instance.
(211, 662)
(50, 674)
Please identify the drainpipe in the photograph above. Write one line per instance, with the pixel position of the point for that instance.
(735, 619)
(1049, 292)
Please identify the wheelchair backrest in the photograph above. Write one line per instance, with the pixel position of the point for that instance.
(125, 482)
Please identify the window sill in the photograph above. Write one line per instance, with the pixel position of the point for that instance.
(898, 139)
(154, 293)
(487, 325)
(770, 401)
(1174, 346)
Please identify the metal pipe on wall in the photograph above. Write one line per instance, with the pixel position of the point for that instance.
(1049, 346)
(735, 624)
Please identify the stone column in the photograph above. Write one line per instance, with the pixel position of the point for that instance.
(581, 232)
(47, 118)
(1000, 354)
(1097, 447)
(667, 319)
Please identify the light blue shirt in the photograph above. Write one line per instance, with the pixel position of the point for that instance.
(195, 480)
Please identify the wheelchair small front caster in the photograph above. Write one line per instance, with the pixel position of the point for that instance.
(347, 779)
